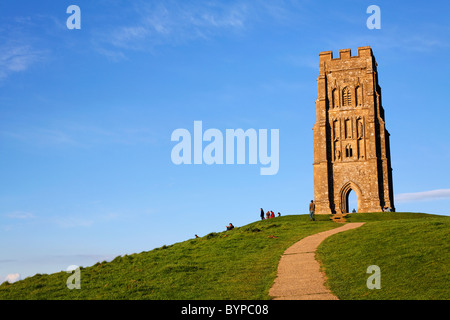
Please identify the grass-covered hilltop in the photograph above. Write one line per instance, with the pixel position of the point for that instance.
(411, 249)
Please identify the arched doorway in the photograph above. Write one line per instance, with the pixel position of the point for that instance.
(350, 198)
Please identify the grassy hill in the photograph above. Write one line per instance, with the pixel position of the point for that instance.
(411, 249)
(236, 264)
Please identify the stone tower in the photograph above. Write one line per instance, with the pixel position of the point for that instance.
(351, 143)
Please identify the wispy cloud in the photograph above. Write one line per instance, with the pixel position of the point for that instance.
(80, 135)
(16, 57)
(170, 23)
(40, 136)
(77, 221)
(20, 46)
(423, 196)
(11, 278)
(72, 222)
(20, 215)
(7, 260)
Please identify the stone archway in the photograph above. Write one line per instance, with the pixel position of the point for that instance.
(344, 194)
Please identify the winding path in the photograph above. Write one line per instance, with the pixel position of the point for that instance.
(299, 276)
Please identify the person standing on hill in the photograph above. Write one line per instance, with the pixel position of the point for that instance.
(272, 215)
(312, 208)
(262, 214)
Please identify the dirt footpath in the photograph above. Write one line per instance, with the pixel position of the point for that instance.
(299, 276)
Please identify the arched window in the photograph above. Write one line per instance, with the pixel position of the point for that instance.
(348, 151)
(360, 128)
(336, 134)
(335, 98)
(358, 96)
(346, 97)
(348, 129)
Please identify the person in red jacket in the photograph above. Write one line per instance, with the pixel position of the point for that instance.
(272, 215)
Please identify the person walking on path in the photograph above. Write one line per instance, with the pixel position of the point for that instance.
(312, 208)
(262, 214)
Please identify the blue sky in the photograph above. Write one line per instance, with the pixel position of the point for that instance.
(86, 116)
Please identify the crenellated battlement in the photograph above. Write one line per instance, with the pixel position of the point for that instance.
(346, 54)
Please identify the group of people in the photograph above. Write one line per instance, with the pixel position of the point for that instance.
(268, 215)
(312, 209)
(271, 214)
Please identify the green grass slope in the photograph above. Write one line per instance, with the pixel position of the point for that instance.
(236, 264)
(412, 251)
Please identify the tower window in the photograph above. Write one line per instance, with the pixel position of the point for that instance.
(348, 129)
(346, 97)
(335, 97)
(358, 96)
(348, 151)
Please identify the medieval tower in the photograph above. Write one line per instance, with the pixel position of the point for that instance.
(351, 143)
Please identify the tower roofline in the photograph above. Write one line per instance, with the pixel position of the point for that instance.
(365, 51)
